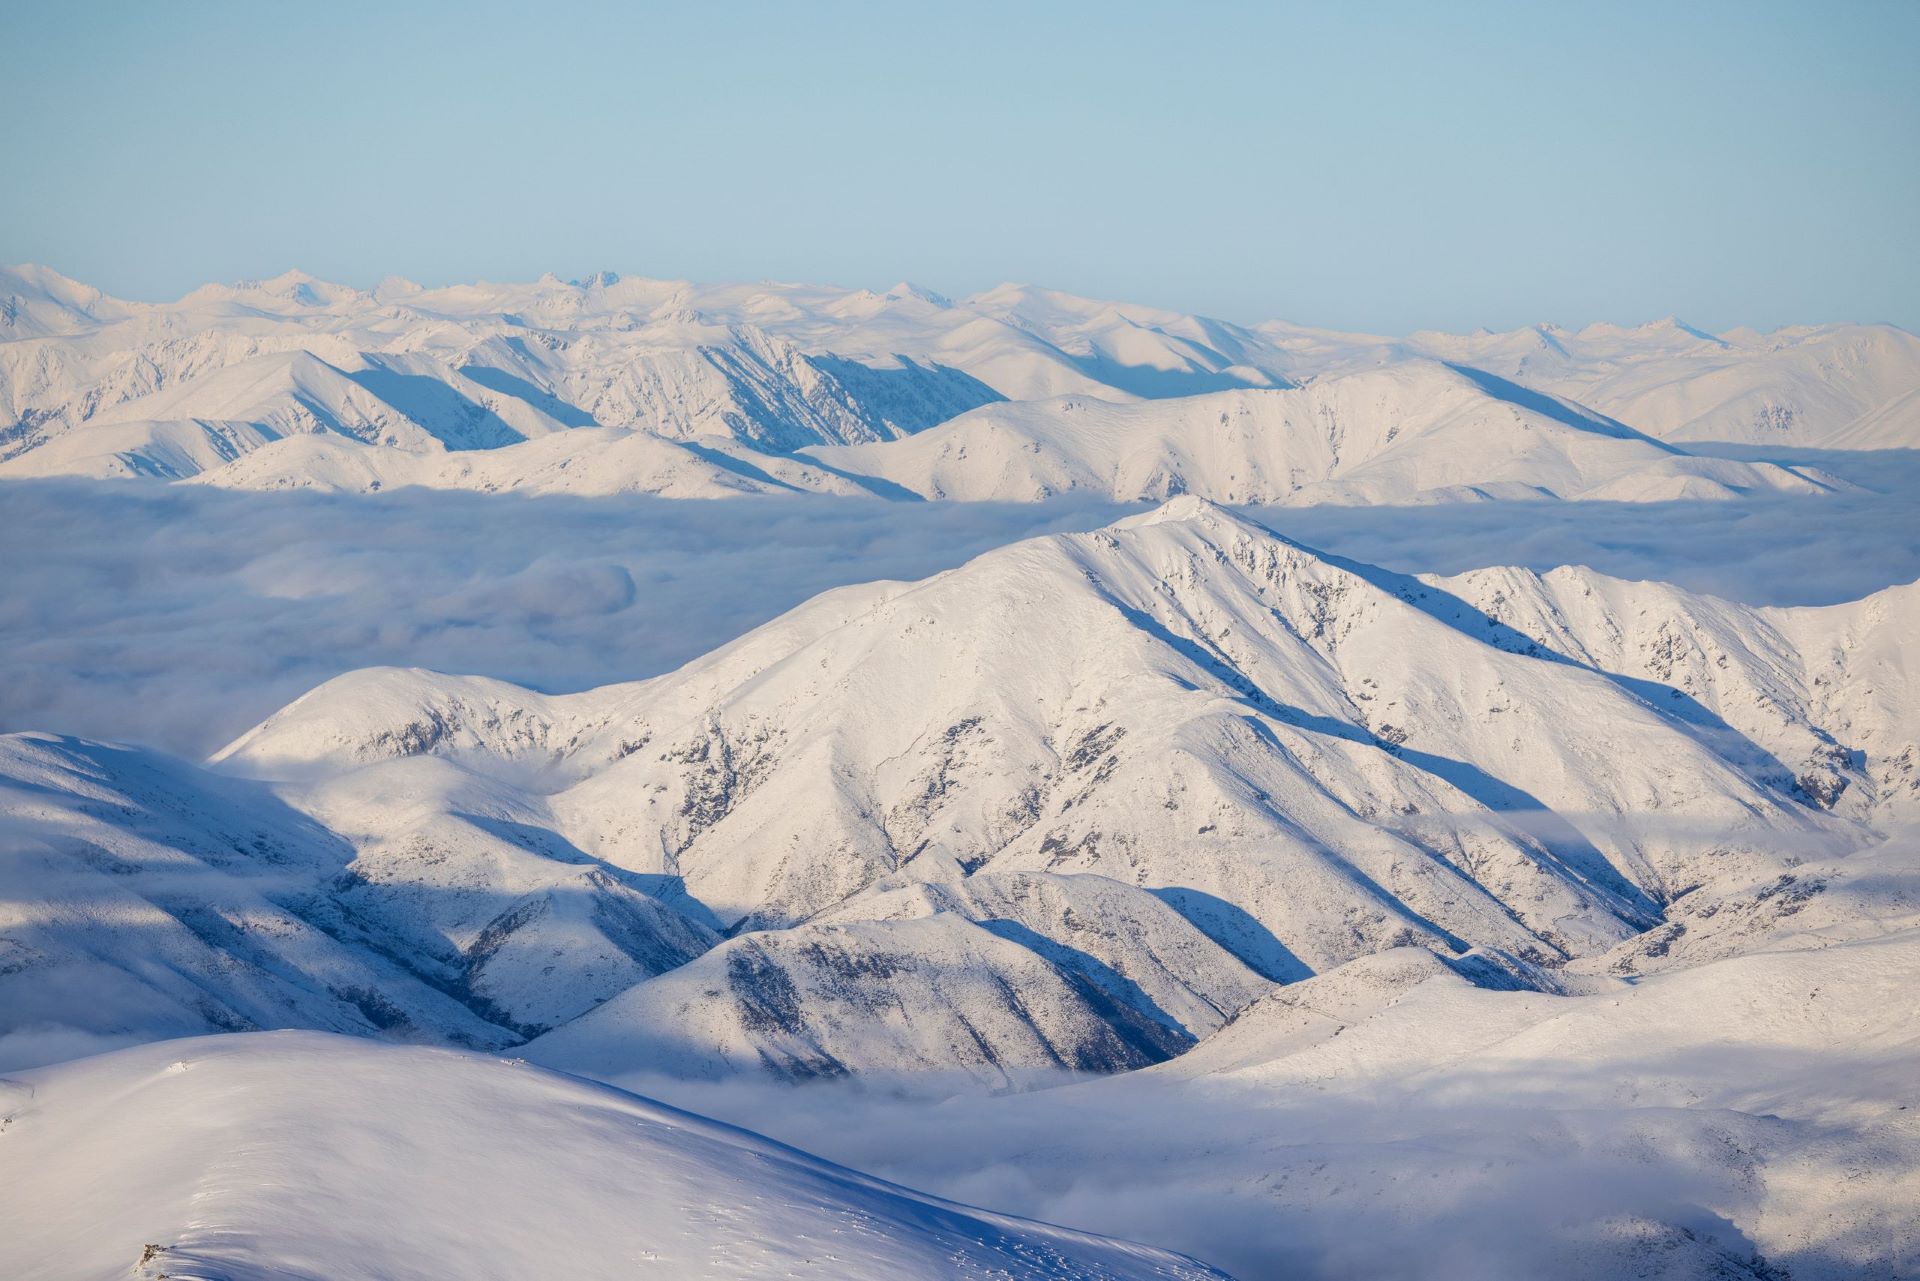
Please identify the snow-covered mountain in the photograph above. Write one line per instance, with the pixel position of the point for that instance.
(1415, 431)
(610, 385)
(144, 897)
(1828, 692)
(185, 902)
(301, 1155)
(1363, 908)
(1070, 806)
(1747, 1117)
(1829, 386)
(770, 366)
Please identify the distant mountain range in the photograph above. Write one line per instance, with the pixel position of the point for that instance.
(613, 385)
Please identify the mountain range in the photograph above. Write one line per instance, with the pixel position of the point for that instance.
(612, 384)
(1175, 879)
(1071, 806)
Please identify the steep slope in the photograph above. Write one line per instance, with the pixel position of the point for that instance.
(468, 878)
(771, 367)
(1414, 431)
(1085, 797)
(1825, 692)
(145, 899)
(407, 405)
(91, 385)
(305, 1156)
(462, 367)
(998, 976)
(1129, 944)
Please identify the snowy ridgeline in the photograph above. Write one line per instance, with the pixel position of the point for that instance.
(1605, 860)
(616, 385)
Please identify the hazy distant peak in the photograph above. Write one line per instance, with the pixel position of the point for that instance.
(906, 289)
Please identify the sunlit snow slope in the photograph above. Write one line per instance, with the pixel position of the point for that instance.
(305, 1157)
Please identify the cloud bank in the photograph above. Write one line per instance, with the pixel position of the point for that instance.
(177, 617)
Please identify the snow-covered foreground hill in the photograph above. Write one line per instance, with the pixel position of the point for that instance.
(611, 385)
(305, 1157)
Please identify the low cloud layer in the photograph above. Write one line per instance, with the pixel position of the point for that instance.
(1462, 1177)
(1765, 550)
(177, 617)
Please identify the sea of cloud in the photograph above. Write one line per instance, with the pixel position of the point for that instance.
(179, 616)
(1626, 1168)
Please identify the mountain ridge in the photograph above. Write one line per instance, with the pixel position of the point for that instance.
(1268, 762)
(91, 385)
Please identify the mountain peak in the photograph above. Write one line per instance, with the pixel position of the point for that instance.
(1668, 328)
(293, 285)
(40, 300)
(46, 278)
(907, 289)
(1189, 508)
(1676, 324)
(396, 287)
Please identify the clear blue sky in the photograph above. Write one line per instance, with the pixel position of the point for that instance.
(1381, 166)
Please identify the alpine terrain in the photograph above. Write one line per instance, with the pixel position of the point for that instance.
(1171, 878)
